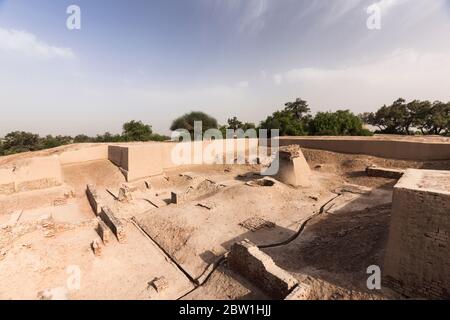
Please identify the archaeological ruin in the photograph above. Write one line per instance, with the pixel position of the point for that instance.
(204, 220)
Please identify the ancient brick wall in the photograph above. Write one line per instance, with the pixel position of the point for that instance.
(417, 262)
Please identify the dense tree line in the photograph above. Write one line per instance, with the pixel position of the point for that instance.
(188, 120)
(295, 120)
(401, 117)
(20, 141)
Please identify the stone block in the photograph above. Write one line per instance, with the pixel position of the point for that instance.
(125, 194)
(160, 284)
(96, 248)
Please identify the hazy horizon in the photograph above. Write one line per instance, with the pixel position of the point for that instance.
(156, 60)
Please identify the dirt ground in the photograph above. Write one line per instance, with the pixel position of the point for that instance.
(45, 245)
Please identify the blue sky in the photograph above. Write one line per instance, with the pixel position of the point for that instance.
(155, 60)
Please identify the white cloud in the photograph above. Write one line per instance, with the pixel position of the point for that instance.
(253, 20)
(385, 5)
(242, 84)
(264, 74)
(404, 72)
(278, 79)
(402, 63)
(28, 44)
(248, 16)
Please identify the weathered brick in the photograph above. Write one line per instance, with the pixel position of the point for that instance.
(113, 223)
(417, 257)
(248, 260)
(374, 171)
(94, 199)
(96, 248)
(104, 232)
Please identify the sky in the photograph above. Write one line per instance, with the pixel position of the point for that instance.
(154, 60)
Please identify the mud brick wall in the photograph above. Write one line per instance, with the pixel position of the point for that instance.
(391, 149)
(248, 260)
(94, 199)
(140, 160)
(30, 174)
(110, 219)
(384, 172)
(417, 261)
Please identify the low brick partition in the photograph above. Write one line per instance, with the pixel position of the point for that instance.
(390, 147)
(104, 232)
(303, 291)
(113, 223)
(94, 199)
(374, 171)
(30, 174)
(248, 260)
(417, 260)
(141, 160)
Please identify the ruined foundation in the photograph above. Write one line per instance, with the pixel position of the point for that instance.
(94, 199)
(388, 173)
(246, 259)
(417, 262)
(184, 224)
(114, 223)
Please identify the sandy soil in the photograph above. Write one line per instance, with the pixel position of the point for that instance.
(34, 263)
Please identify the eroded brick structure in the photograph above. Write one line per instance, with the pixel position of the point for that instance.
(417, 262)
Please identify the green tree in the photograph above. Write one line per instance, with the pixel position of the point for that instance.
(339, 123)
(136, 131)
(82, 138)
(108, 137)
(187, 122)
(293, 120)
(401, 117)
(159, 137)
(286, 122)
(419, 113)
(299, 108)
(234, 123)
(393, 119)
(20, 141)
(438, 119)
(248, 125)
(52, 142)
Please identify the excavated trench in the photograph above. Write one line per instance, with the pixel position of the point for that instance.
(211, 268)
